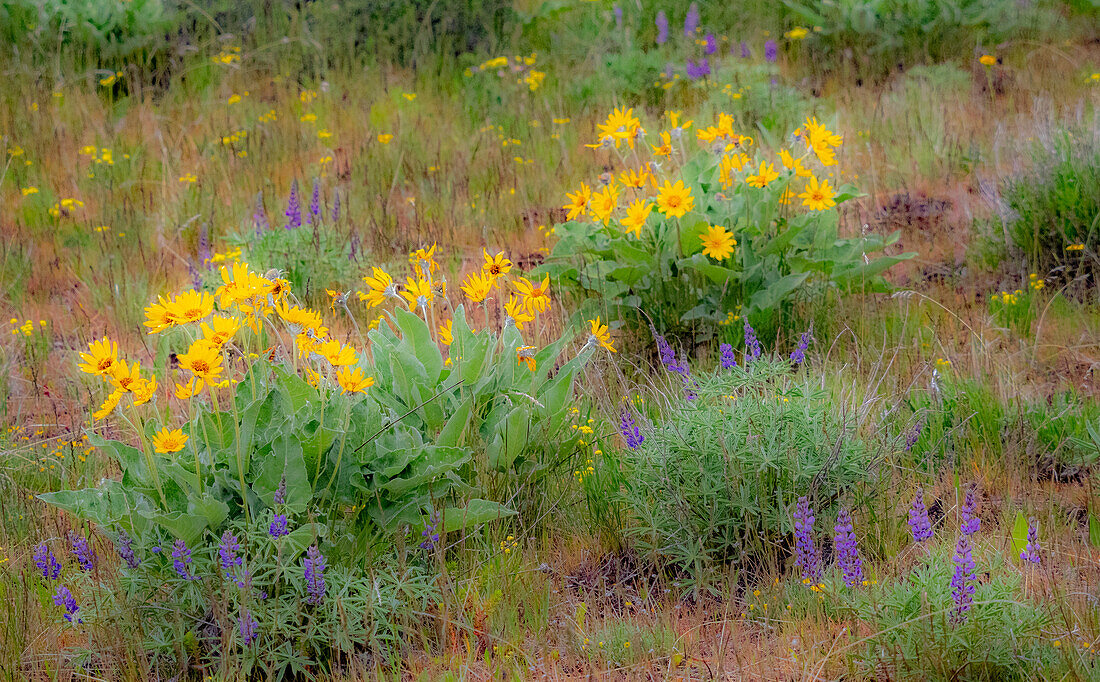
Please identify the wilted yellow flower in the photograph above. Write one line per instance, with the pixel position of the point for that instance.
(791, 163)
(192, 387)
(665, 148)
(525, 355)
(166, 441)
(600, 335)
(144, 390)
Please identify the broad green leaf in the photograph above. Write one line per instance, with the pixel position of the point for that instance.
(104, 505)
(475, 513)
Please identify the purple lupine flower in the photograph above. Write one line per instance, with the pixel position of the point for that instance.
(65, 599)
(913, 436)
(691, 21)
(315, 575)
(181, 560)
(278, 527)
(970, 522)
(669, 71)
(771, 51)
(662, 27)
(353, 250)
(711, 45)
(962, 590)
(847, 552)
(920, 526)
(806, 556)
(752, 344)
(259, 215)
(83, 553)
(729, 360)
(1031, 551)
(196, 275)
(335, 205)
(629, 430)
(227, 550)
(745, 52)
(248, 627)
(293, 208)
(204, 245)
(695, 71)
(46, 562)
(668, 356)
(618, 16)
(429, 533)
(798, 355)
(280, 492)
(126, 550)
(314, 202)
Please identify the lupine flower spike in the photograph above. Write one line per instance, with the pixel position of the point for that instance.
(962, 589)
(1031, 551)
(126, 550)
(314, 573)
(431, 537)
(798, 355)
(44, 559)
(227, 552)
(83, 553)
(752, 344)
(65, 599)
(920, 527)
(728, 359)
(248, 627)
(662, 27)
(181, 560)
(629, 430)
(806, 556)
(970, 522)
(315, 202)
(293, 208)
(847, 552)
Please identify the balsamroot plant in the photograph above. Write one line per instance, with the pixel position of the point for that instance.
(690, 230)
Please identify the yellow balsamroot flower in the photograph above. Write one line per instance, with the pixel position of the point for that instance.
(446, 337)
(791, 163)
(674, 121)
(385, 138)
(525, 355)
(797, 33)
(192, 387)
(424, 260)
(477, 286)
(823, 141)
(203, 360)
(418, 293)
(190, 306)
(600, 335)
(495, 266)
(717, 242)
(101, 359)
(353, 381)
(300, 320)
(239, 285)
(578, 202)
(636, 215)
(665, 148)
(29, 190)
(604, 203)
(817, 197)
(123, 378)
(108, 405)
(144, 390)
(987, 60)
(536, 298)
(189, 178)
(166, 441)
(766, 174)
(158, 316)
(674, 201)
(730, 164)
(221, 330)
(381, 285)
(517, 312)
(621, 125)
(634, 179)
(337, 354)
